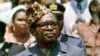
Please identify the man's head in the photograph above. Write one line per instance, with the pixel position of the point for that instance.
(43, 24)
(58, 10)
(2, 30)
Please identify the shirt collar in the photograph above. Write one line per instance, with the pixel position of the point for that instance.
(83, 5)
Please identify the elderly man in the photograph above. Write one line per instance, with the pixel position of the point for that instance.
(45, 27)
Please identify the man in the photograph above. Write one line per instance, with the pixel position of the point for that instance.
(45, 27)
(8, 49)
(58, 12)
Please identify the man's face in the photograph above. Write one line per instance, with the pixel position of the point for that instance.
(47, 29)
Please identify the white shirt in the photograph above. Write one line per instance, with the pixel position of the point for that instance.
(70, 17)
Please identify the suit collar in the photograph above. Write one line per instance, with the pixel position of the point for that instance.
(30, 51)
(62, 48)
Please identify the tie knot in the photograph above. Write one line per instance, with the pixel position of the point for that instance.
(79, 6)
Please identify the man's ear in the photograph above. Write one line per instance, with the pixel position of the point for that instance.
(93, 8)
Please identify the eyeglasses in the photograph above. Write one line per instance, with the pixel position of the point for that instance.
(46, 24)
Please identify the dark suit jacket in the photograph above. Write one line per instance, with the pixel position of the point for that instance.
(62, 50)
(10, 49)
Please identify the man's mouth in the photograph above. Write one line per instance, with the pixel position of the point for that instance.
(50, 34)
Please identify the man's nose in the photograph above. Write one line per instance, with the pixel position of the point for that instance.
(49, 27)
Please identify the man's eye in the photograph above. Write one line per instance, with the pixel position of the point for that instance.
(54, 24)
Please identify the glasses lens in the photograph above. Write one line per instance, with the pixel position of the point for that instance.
(46, 24)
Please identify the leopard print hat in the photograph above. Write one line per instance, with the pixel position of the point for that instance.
(35, 12)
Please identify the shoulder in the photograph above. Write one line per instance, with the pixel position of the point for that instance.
(24, 53)
(15, 48)
(76, 41)
(9, 37)
(70, 38)
(69, 46)
(72, 50)
(11, 48)
(27, 52)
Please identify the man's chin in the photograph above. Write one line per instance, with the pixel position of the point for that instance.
(51, 39)
(50, 42)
